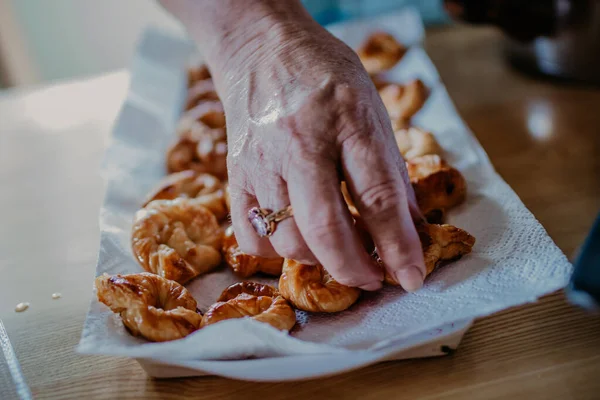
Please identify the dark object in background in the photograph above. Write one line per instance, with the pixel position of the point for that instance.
(584, 288)
(559, 38)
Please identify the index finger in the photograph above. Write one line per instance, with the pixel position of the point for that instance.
(327, 227)
(374, 173)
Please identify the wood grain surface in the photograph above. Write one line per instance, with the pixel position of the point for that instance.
(543, 138)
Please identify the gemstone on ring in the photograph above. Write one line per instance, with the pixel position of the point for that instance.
(260, 223)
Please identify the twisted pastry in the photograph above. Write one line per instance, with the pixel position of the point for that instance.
(205, 189)
(202, 142)
(262, 303)
(415, 142)
(440, 243)
(198, 73)
(438, 187)
(403, 101)
(247, 287)
(311, 288)
(202, 90)
(150, 306)
(380, 52)
(176, 239)
(245, 265)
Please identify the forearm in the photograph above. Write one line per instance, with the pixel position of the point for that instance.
(223, 28)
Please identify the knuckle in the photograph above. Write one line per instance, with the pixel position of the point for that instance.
(347, 93)
(325, 231)
(381, 199)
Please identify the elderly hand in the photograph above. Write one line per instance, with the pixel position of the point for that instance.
(302, 116)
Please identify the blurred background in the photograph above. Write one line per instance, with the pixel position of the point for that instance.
(43, 41)
(48, 40)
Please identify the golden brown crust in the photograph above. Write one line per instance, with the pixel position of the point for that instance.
(201, 188)
(206, 117)
(150, 306)
(198, 73)
(380, 52)
(403, 101)
(213, 155)
(182, 156)
(249, 299)
(438, 187)
(200, 91)
(176, 239)
(202, 141)
(348, 199)
(245, 265)
(205, 189)
(215, 202)
(311, 288)
(379, 82)
(227, 198)
(251, 288)
(416, 142)
(440, 243)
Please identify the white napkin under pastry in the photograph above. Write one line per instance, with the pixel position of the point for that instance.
(514, 261)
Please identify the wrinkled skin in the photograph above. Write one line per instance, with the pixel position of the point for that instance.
(302, 115)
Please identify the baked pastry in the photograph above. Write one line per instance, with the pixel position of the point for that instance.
(311, 288)
(415, 142)
(202, 142)
(403, 101)
(213, 155)
(200, 91)
(202, 154)
(262, 303)
(438, 187)
(380, 52)
(440, 243)
(245, 265)
(197, 73)
(150, 306)
(248, 287)
(205, 189)
(176, 239)
(227, 197)
(379, 82)
(348, 199)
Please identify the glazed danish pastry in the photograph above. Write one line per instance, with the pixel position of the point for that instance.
(205, 189)
(438, 187)
(348, 199)
(176, 239)
(440, 243)
(403, 101)
(380, 52)
(262, 303)
(197, 73)
(311, 288)
(245, 265)
(150, 306)
(415, 142)
(203, 90)
(202, 142)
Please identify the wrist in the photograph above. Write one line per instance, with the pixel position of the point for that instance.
(226, 31)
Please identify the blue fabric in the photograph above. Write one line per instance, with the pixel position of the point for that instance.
(329, 11)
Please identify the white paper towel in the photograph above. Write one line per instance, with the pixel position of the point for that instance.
(514, 260)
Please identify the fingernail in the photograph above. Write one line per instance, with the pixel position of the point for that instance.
(411, 278)
(371, 286)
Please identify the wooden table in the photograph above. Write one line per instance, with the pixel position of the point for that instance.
(543, 139)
